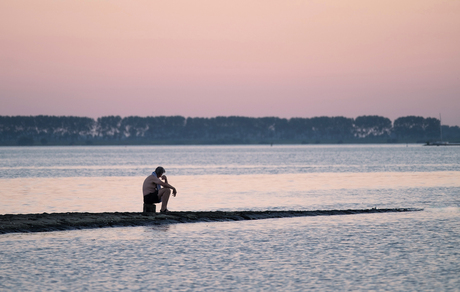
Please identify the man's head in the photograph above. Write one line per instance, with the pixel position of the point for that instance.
(159, 171)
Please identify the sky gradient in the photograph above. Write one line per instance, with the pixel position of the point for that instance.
(207, 58)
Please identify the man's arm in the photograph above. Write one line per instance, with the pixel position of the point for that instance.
(164, 183)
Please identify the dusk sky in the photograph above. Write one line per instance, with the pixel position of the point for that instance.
(207, 58)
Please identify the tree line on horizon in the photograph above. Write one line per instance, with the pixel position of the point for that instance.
(52, 130)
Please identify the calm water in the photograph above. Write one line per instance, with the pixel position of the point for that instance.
(410, 251)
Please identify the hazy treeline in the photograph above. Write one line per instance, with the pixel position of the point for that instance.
(30, 130)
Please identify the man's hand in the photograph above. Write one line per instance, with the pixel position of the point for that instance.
(163, 177)
(174, 192)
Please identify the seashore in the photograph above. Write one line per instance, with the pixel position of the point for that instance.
(13, 223)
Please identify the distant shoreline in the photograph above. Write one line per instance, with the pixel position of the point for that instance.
(19, 223)
(221, 130)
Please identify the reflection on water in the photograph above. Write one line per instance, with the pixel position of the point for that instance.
(225, 192)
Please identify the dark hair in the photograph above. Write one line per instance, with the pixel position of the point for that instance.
(159, 171)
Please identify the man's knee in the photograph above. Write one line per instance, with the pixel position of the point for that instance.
(165, 191)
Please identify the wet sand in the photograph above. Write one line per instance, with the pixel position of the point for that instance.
(11, 223)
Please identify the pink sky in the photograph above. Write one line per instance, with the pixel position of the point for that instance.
(206, 58)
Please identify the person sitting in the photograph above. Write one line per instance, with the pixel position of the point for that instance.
(156, 189)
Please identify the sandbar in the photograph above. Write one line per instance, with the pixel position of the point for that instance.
(13, 223)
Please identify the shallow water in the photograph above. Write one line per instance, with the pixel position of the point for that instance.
(233, 192)
(398, 251)
(402, 252)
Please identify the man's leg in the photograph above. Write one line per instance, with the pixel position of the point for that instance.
(164, 194)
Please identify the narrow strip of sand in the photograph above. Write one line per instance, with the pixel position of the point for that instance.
(10, 223)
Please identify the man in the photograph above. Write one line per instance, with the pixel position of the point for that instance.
(153, 191)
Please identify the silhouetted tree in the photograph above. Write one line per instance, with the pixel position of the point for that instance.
(451, 133)
(25, 141)
(372, 126)
(332, 127)
(109, 127)
(417, 127)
